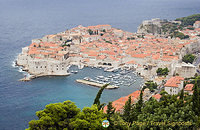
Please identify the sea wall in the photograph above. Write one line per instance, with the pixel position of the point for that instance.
(40, 67)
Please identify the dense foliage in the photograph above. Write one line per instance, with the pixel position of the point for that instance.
(189, 20)
(171, 112)
(189, 58)
(179, 35)
(55, 116)
(169, 27)
(168, 113)
(66, 115)
(162, 71)
(90, 117)
(150, 85)
(90, 31)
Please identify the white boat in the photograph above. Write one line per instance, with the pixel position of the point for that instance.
(100, 77)
(106, 78)
(110, 76)
(87, 78)
(74, 71)
(92, 80)
(97, 81)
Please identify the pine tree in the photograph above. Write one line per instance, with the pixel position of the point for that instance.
(139, 104)
(127, 110)
(181, 99)
(110, 110)
(195, 99)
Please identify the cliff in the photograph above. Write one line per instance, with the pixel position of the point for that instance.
(158, 27)
(150, 26)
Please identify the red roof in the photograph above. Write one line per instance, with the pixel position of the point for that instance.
(119, 103)
(131, 62)
(189, 87)
(197, 22)
(157, 96)
(174, 81)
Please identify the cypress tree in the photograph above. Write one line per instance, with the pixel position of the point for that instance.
(98, 96)
(110, 110)
(181, 98)
(109, 113)
(139, 104)
(127, 110)
(195, 99)
(182, 94)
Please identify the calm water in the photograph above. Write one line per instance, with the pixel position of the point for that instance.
(23, 20)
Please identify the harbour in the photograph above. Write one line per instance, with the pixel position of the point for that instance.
(115, 79)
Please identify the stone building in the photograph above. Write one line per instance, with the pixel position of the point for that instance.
(196, 24)
(174, 85)
(185, 70)
(188, 89)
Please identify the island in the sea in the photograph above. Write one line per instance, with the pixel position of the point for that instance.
(157, 44)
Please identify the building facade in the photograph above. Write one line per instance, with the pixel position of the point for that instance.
(174, 85)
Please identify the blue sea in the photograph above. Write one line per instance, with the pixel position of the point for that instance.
(23, 20)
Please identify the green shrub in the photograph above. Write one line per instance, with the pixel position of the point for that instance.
(189, 58)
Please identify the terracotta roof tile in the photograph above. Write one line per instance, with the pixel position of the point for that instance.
(174, 81)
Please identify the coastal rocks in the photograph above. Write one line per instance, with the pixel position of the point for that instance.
(28, 78)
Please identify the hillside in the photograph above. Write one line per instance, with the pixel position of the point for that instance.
(189, 20)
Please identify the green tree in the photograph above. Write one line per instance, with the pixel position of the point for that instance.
(110, 110)
(55, 116)
(118, 123)
(195, 100)
(139, 104)
(150, 85)
(159, 71)
(180, 35)
(163, 92)
(167, 110)
(98, 96)
(189, 58)
(189, 20)
(90, 31)
(89, 118)
(165, 71)
(127, 110)
(162, 71)
(181, 101)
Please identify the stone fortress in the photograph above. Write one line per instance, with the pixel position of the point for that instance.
(110, 48)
